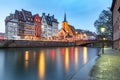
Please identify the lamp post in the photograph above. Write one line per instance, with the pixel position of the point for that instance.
(76, 37)
(102, 29)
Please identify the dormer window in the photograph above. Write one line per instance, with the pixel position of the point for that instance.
(36, 20)
(28, 18)
(31, 19)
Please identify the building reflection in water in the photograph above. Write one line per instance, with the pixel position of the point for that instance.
(2, 64)
(34, 56)
(76, 57)
(72, 54)
(85, 52)
(66, 59)
(53, 54)
(41, 65)
(63, 51)
(26, 59)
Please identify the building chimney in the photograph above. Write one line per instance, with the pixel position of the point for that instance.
(53, 16)
(43, 13)
(48, 14)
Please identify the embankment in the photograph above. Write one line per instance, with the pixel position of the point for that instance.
(27, 43)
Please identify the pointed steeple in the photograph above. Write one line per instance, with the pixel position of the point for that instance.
(65, 18)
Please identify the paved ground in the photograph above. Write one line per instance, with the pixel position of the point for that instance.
(83, 74)
(107, 67)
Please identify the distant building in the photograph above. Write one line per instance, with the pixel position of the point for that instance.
(44, 26)
(54, 28)
(20, 22)
(37, 24)
(29, 28)
(20, 25)
(11, 27)
(85, 35)
(2, 36)
(49, 27)
(67, 31)
(115, 8)
(23, 25)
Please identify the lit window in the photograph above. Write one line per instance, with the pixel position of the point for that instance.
(14, 24)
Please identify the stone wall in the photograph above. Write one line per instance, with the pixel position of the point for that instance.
(26, 43)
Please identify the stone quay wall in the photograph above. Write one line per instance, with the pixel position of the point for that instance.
(27, 43)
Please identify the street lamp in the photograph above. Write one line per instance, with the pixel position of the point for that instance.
(102, 29)
(76, 34)
(76, 37)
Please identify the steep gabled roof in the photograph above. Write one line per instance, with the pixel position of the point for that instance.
(19, 15)
(27, 15)
(49, 19)
(72, 29)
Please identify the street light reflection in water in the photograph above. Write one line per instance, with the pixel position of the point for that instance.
(41, 64)
(85, 52)
(76, 57)
(26, 59)
(66, 59)
(44, 63)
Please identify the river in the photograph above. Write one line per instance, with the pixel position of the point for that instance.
(52, 63)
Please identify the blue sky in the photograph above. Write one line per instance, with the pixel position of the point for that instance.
(80, 13)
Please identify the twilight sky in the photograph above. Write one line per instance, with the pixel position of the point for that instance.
(80, 13)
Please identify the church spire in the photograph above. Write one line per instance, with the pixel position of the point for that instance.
(65, 18)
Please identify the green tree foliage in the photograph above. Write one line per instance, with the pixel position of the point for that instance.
(105, 19)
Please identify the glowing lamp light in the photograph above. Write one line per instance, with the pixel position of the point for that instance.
(102, 29)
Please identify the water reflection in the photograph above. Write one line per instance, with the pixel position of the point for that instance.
(34, 56)
(26, 59)
(63, 51)
(72, 53)
(76, 57)
(41, 65)
(85, 55)
(66, 59)
(53, 54)
(2, 60)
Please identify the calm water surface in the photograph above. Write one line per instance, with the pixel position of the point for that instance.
(43, 63)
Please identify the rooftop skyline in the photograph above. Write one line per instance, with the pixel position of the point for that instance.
(80, 13)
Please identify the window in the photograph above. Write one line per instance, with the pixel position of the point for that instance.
(28, 18)
(31, 19)
(119, 9)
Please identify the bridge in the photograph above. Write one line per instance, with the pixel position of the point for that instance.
(86, 42)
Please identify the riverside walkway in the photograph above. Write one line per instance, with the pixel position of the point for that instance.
(107, 67)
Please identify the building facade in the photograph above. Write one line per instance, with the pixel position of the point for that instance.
(44, 27)
(20, 25)
(54, 28)
(29, 28)
(67, 31)
(23, 25)
(11, 27)
(49, 27)
(37, 23)
(85, 35)
(116, 23)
